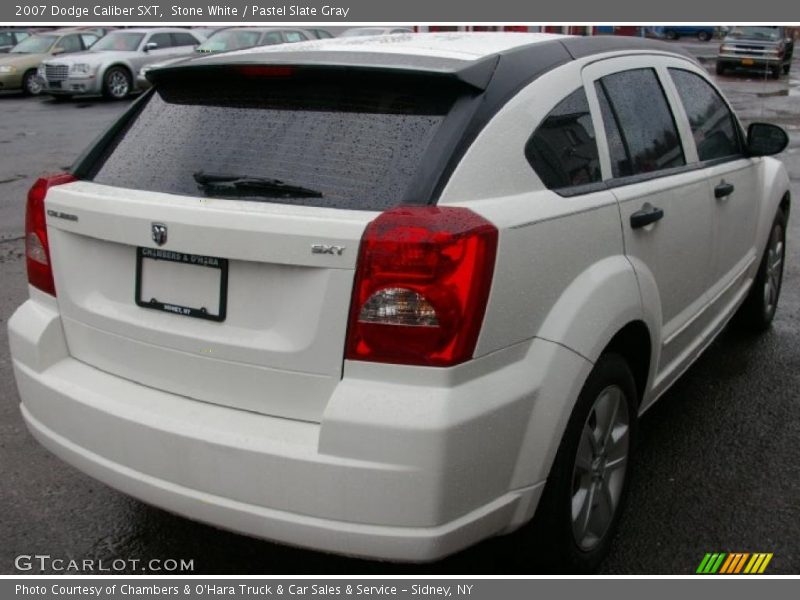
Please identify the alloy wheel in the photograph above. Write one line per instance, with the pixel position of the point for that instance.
(600, 467)
(32, 85)
(118, 84)
(774, 274)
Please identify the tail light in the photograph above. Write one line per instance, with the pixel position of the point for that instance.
(37, 249)
(421, 286)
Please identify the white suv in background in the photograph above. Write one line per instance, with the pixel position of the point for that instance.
(390, 297)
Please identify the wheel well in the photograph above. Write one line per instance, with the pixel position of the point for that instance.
(632, 342)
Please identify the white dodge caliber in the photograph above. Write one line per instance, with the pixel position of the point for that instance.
(390, 296)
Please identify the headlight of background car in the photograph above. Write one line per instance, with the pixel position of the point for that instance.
(725, 48)
(41, 71)
(7, 69)
(80, 69)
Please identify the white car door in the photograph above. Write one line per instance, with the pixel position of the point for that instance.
(732, 184)
(667, 217)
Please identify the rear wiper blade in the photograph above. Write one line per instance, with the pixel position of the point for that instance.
(242, 185)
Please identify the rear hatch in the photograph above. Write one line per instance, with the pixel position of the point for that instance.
(210, 246)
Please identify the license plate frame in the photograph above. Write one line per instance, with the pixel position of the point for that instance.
(198, 261)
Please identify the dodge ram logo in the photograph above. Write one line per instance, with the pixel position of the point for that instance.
(159, 233)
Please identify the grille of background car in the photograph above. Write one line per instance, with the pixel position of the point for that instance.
(56, 72)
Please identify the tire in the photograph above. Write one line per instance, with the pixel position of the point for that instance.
(31, 86)
(721, 68)
(786, 68)
(569, 533)
(703, 36)
(758, 310)
(117, 83)
(775, 72)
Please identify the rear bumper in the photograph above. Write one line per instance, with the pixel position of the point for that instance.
(414, 479)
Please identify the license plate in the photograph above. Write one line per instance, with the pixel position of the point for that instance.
(748, 61)
(189, 285)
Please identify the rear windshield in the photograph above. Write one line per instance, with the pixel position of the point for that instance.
(339, 142)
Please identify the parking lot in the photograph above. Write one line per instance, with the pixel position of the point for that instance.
(718, 464)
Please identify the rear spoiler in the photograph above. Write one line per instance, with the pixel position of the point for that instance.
(474, 73)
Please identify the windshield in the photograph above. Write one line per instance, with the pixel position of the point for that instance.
(36, 44)
(119, 40)
(756, 33)
(222, 41)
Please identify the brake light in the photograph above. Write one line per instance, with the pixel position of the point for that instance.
(37, 249)
(421, 286)
(265, 70)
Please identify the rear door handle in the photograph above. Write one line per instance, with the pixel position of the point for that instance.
(646, 215)
(723, 190)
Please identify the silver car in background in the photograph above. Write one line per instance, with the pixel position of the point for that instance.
(233, 38)
(110, 66)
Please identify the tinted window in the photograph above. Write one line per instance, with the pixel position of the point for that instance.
(713, 125)
(637, 107)
(70, 43)
(294, 36)
(88, 39)
(6, 38)
(183, 39)
(563, 150)
(164, 40)
(359, 142)
(272, 37)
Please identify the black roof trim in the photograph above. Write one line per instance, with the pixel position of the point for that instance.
(581, 47)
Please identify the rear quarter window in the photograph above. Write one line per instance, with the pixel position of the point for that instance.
(359, 143)
(563, 149)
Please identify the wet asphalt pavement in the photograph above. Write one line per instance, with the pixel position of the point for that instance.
(718, 465)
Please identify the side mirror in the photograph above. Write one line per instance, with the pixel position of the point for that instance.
(150, 46)
(764, 139)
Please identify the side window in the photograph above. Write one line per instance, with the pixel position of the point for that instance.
(713, 125)
(70, 43)
(21, 35)
(162, 39)
(294, 36)
(6, 38)
(88, 39)
(635, 110)
(271, 37)
(183, 39)
(563, 149)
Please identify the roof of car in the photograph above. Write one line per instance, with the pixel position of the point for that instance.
(461, 45)
(473, 58)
